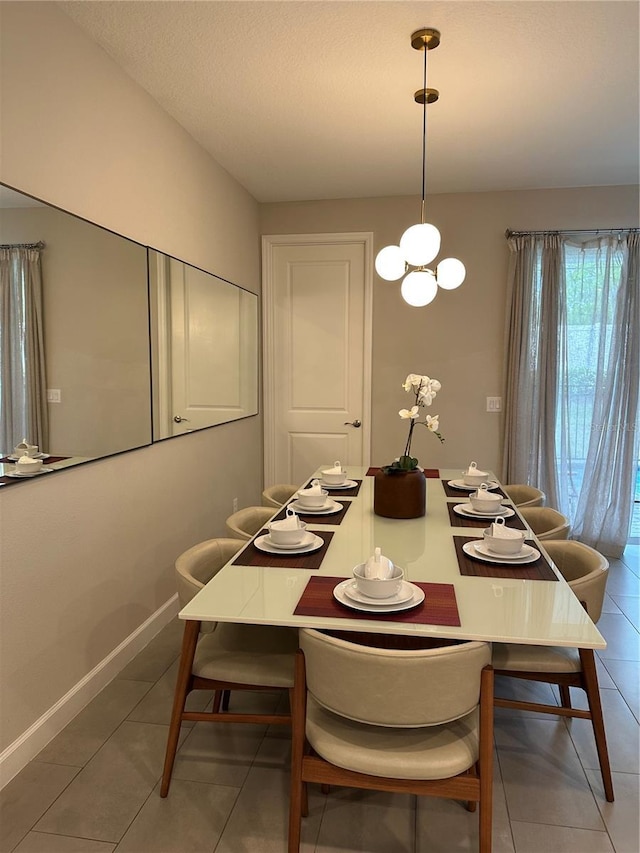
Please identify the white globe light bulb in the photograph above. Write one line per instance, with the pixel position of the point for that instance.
(420, 244)
(450, 273)
(390, 263)
(419, 288)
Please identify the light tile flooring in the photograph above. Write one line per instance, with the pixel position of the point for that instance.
(94, 788)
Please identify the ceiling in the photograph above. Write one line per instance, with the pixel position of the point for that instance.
(300, 99)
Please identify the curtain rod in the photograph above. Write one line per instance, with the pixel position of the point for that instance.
(39, 245)
(508, 233)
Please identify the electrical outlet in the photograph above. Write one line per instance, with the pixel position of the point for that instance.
(494, 404)
(235, 505)
(54, 395)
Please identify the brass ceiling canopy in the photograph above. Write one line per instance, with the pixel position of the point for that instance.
(426, 39)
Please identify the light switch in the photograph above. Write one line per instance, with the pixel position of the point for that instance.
(54, 395)
(494, 404)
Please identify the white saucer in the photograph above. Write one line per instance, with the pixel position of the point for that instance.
(468, 510)
(404, 594)
(384, 607)
(460, 484)
(480, 551)
(263, 543)
(347, 484)
(307, 540)
(25, 475)
(15, 458)
(330, 507)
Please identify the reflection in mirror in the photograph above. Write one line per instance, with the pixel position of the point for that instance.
(97, 395)
(204, 338)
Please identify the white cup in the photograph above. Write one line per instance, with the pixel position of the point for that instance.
(312, 500)
(378, 587)
(27, 465)
(287, 537)
(485, 501)
(473, 476)
(25, 449)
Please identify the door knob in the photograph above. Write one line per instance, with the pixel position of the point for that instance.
(179, 420)
(357, 424)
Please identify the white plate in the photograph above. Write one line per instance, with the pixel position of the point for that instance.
(348, 484)
(405, 594)
(15, 458)
(340, 595)
(263, 543)
(307, 540)
(25, 475)
(330, 507)
(481, 551)
(460, 484)
(468, 510)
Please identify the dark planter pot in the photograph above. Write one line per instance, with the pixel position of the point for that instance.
(400, 495)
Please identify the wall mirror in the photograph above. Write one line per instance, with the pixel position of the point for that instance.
(138, 346)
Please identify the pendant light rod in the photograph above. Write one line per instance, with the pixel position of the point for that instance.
(425, 39)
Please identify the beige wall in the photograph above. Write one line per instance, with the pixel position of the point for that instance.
(458, 339)
(98, 560)
(96, 331)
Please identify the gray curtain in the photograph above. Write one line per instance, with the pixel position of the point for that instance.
(23, 406)
(535, 344)
(605, 502)
(572, 377)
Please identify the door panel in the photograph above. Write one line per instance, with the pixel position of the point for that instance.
(317, 353)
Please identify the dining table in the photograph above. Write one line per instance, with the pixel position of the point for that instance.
(462, 594)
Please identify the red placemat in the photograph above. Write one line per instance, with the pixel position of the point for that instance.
(480, 523)
(438, 608)
(316, 518)
(450, 492)
(429, 473)
(538, 571)
(251, 556)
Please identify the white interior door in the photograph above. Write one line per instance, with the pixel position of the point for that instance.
(317, 334)
(212, 356)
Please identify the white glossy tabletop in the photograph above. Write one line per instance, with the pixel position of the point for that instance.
(519, 611)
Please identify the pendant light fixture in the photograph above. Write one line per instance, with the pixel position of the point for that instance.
(420, 243)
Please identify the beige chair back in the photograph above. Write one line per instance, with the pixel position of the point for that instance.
(523, 495)
(546, 522)
(246, 522)
(585, 570)
(390, 687)
(278, 495)
(199, 564)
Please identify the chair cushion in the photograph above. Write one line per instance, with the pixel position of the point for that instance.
(515, 657)
(247, 654)
(429, 752)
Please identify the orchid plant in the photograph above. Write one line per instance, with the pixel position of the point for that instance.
(424, 389)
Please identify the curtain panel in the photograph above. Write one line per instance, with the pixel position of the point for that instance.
(572, 377)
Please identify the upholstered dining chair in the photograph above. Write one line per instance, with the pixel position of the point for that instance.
(523, 495)
(246, 522)
(427, 730)
(278, 495)
(546, 522)
(224, 656)
(586, 572)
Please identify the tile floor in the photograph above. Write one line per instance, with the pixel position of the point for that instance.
(94, 788)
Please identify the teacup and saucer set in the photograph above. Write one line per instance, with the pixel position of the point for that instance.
(501, 544)
(472, 478)
(289, 536)
(314, 500)
(483, 503)
(336, 477)
(378, 586)
(28, 460)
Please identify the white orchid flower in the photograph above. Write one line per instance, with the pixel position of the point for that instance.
(413, 412)
(412, 382)
(433, 423)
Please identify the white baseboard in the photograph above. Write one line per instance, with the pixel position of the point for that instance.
(37, 736)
